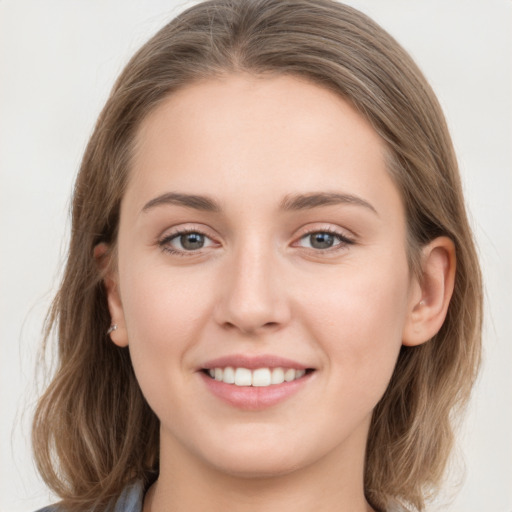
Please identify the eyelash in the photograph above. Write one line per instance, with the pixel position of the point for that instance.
(342, 239)
(164, 242)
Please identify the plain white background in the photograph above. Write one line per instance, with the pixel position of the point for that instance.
(58, 60)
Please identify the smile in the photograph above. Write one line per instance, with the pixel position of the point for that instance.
(259, 377)
(255, 382)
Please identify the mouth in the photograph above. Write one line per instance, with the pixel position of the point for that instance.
(254, 383)
(258, 377)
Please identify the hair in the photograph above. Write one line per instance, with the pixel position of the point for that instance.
(93, 431)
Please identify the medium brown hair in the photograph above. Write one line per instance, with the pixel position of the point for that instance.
(93, 431)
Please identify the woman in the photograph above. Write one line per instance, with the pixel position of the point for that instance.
(272, 297)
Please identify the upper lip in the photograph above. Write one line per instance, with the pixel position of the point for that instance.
(253, 362)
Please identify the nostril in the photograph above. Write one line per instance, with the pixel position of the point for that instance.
(250, 329)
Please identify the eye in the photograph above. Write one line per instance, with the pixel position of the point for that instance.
(185, 241)
(323, 240)
(190, 241)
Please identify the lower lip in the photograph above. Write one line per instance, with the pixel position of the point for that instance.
(254, 398)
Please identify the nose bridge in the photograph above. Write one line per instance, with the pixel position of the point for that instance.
(253, 297)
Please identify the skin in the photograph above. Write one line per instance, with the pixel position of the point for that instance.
(259, 286)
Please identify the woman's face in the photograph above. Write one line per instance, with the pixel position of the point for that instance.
(261, 239)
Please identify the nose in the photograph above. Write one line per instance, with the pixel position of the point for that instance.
(253, 298)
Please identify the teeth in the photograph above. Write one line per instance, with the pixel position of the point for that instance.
(262, 377)
(277, 376)
(229, 375)
(243, 377)
(289, 375)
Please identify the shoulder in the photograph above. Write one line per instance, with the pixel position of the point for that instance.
(130, 500)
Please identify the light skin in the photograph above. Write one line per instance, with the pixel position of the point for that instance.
(297, 249)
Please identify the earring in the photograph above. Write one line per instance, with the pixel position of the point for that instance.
(112, 328)
(422, 303)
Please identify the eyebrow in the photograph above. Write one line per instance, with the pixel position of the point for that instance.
(294, 202)
(317, 199)
(196, 202)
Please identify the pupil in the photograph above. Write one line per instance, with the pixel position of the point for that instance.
(191, 241)
(322, 240)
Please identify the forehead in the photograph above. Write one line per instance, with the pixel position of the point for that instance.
(243, 135)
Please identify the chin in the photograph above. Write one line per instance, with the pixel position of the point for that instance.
(257, 459)
(257, 468)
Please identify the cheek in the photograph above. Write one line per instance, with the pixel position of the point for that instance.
(359, 323)
(161, 303)
(164, 312)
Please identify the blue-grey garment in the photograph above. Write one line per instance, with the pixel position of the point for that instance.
(132, 497)
(130, 500)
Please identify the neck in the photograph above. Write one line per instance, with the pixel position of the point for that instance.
(187, 484)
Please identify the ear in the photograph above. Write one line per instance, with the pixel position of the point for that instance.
(103, 256)
(431, 293)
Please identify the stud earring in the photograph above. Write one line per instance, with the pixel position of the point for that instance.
(422, 303)
(112, 328)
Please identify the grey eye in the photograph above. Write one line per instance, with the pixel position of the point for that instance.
(191, 241)
(321, 240)
(186, 243)
(324, 240)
